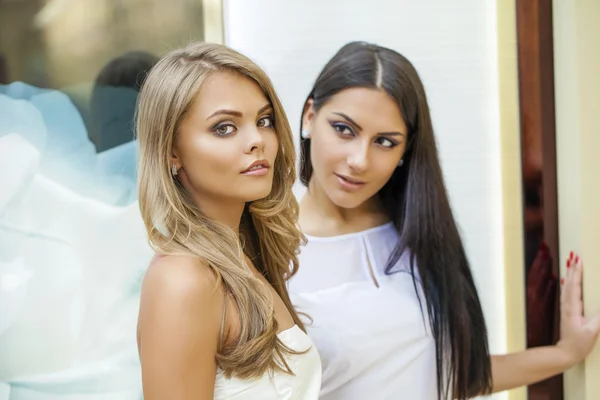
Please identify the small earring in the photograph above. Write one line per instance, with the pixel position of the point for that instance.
(174, 169)
(305, 134)
(401, 162)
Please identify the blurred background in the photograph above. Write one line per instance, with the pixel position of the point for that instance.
(512, 87)
(72, 245)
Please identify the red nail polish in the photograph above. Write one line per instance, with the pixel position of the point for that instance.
(568, 263)
(576, 259)
(562, 281)
(571, 255)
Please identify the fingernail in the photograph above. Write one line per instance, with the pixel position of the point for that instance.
(562, 281)
(576, 259)
(568, 263)
(571, 255)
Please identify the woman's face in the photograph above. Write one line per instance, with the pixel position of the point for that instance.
(357, 140)
(226, 147)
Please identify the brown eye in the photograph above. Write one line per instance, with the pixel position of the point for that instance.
(385, 142)
(342, 129)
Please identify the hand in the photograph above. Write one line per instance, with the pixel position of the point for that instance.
(578, 335)
(541, 292)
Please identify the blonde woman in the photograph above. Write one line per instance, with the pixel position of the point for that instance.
(216, 173)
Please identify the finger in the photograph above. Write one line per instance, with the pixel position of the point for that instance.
(567, 306)
(577, 282)
(576, 268)
(569, 270)
(573, 297)
(567, 289)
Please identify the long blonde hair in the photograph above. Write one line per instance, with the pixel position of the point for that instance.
(176, 225)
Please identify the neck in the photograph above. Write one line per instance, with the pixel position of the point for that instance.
(319, 216)
(228, 213)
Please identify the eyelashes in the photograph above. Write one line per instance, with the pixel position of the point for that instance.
(342, 129)
(266, 122)
(224, 129)
(388, 143)
(346, 132)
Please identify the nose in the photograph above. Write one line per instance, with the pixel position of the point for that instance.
(255, 141)
(358, 159)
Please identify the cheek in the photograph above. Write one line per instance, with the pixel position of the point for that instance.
(383, 172)
(383, 165)
(271, 144)
(209, 158)
(326, 151)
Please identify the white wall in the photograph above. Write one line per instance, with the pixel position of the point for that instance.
(454, 47)
(577, 86)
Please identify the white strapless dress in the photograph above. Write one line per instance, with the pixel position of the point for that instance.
(305, 384)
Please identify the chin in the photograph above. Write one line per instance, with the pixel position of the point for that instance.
(346, 200)
(257, 192)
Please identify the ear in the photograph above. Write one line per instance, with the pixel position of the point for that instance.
(308, 115)
(175, 159)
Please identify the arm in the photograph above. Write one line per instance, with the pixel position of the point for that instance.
(178, 328)
(527, 367)
(578, 337)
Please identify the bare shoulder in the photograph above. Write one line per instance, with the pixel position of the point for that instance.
(179, 278)
(180, 291)
(178, 328)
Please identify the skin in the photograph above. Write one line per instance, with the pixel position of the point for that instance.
(230, 126)
(181, 304)
(339, 147)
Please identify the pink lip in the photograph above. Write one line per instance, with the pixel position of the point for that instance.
(257, 168)
(349, 184)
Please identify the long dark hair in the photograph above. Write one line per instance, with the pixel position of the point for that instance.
(415, 199)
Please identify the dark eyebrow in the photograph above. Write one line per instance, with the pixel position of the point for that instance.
(347, 118)
(350, 120)
(392, 133)
(226, 112)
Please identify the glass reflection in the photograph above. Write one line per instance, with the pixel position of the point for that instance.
(72, 244)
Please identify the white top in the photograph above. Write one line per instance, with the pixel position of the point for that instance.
(374, 342)
(303, 385)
